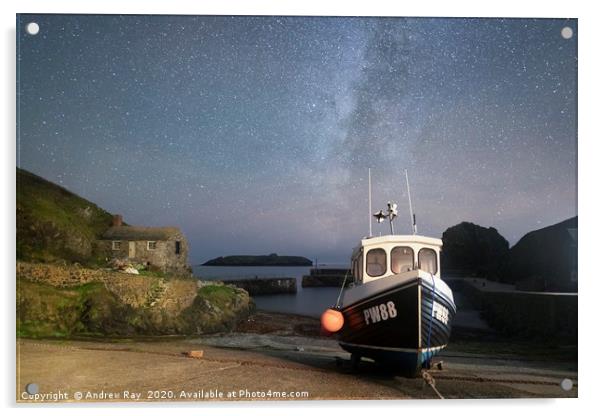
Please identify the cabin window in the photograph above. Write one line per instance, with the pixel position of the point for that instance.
(116, 245)
(427, 260)
(151, 245)
(178, 247)
(376, 262)
(402, 259)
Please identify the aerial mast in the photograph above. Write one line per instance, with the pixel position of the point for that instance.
(412, 215)
(369, 203)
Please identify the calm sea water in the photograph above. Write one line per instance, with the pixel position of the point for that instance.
(307, 301)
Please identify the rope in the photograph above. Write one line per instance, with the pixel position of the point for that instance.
(428, 339)
(428, 378)
(478, 379)
(341, 291)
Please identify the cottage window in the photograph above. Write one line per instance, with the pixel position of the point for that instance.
(376, 262)
(151, 245)
(402, 259)
(427, 260)
(178, 247)
(116, 245)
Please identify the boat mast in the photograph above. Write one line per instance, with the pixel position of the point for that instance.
(369, 203)
(412, 216)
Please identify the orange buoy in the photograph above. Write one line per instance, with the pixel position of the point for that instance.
(332, 320)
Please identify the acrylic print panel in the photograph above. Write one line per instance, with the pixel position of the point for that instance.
(283, 208)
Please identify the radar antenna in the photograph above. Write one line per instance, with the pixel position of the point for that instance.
(392, 213)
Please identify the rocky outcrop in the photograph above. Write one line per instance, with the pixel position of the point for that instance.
(57, 300)
(216, 308)
(545, 259)
(473, 250)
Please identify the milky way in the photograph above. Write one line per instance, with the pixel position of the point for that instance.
(255, 134)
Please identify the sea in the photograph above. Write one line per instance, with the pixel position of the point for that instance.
(309, 301)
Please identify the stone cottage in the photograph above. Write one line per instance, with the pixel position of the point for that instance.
(162, 248)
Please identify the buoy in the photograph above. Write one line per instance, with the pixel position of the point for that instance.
(332, 320)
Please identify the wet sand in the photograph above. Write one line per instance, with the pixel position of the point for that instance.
(275, 357)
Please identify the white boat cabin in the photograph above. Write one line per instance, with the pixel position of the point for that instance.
(378, 257)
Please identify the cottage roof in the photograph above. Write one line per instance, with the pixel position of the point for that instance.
(126, 232)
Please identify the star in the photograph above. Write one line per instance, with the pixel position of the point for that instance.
(273, 121)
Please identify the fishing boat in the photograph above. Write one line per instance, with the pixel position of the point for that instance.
(397, 310)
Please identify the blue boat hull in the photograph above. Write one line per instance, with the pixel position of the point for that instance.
(403, 327)
(406, 362)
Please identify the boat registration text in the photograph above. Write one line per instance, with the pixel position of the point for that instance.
(380, 312)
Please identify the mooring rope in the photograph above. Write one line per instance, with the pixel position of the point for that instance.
(428, 378)
(428, 339)
(341, 291)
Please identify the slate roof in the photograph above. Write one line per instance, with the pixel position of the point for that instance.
(126, 232)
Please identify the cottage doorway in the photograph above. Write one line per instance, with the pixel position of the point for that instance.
(132, 249)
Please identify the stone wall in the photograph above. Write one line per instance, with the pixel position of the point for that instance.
(551, 316)
(327, 278)
(172, 295)
(266, 286)
(163, 257)
(64, 276)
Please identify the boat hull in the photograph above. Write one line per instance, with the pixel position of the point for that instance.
(403, 323)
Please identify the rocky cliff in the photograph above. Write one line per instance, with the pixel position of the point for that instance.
(472, 249)
(542, 260)
(545, 259)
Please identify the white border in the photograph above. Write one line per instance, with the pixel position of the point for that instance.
(589, 35)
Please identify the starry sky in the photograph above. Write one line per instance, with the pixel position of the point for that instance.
(255, 134)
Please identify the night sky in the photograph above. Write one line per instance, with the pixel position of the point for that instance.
(254, 134)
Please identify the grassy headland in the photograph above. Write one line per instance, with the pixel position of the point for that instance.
(55, 224)
(65, 288)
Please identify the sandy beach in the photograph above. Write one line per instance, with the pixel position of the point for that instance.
(270, 357)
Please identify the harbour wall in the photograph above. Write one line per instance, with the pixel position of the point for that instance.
(266, 286)
(326, 278)
(551, 316)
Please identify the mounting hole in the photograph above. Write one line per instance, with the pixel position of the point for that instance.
(32, 388)
(566, 384)
(566, 32)
(32, 28)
